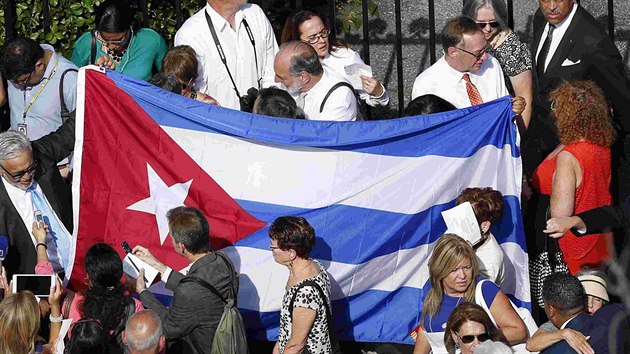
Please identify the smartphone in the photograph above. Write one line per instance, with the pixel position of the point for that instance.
(126, 247)
(38, 284)
(39, 218)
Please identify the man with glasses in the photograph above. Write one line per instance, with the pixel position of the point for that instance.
(34, 73)
(466, 75)
(236, 46)
(31, 186)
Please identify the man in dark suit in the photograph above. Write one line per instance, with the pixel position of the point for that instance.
(191, 321)
(25, 166)
(569, 44)
(564, 299)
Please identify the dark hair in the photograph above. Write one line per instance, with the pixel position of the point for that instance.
(167, 82)
(486, 203)
(471, 7)
(564, 292)
(291, 31)
(105, 299)
(293, 233)
(190, 227)
(454, 30)
(275, 102)
(87, 337)
(181, 61)
(114, 16)
(18, 56)
(465, 312)
(302, 58)
(427, 104)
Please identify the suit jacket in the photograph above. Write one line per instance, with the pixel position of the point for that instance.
(589, 326)
(194, 314)
(596, 57)
(48, 150)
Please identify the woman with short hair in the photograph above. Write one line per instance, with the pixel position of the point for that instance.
(304, 324)
(181, 61)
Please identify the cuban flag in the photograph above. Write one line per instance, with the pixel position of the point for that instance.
(373, 191)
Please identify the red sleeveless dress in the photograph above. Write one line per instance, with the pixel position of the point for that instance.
(594, 191)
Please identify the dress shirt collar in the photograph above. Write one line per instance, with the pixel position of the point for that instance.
(454, 77)
(569, 320)
(15, 191)
(562, 26)
(220, 23)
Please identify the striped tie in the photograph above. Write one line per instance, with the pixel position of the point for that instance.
(473, 93)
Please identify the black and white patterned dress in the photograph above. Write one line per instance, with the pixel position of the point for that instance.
(318, 341)
(514, 57)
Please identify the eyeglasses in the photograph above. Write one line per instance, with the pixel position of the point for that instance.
(314, 38)
(107, 43)
(23, 83)
(273, 247)
(480, 54)
(16, 177)
(467, 339)
(493, 24)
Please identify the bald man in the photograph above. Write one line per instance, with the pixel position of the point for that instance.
(298, 68)
(143, 333)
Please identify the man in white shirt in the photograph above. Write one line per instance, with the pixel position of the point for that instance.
(247, 42)
(318, 91)
(466, 75)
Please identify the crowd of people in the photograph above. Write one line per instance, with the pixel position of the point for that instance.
(569, 95)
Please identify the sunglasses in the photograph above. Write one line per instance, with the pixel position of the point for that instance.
(493, 24)
(467, 339)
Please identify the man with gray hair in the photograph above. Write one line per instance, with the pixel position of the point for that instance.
(32, 188)
(143, 333)
(298, 68)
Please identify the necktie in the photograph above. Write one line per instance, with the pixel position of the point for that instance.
(62, 246)
(544, 51)
(473, 93)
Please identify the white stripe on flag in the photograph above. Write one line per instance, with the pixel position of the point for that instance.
(281, 175)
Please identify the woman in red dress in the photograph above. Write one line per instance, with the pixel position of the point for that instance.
(577, 173)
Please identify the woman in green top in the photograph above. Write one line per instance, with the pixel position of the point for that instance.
(117, 45)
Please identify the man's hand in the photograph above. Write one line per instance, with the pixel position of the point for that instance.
(106, 62)
(140, 285)
(518, 104)
(557, 227)
(145, 255)
(372, 86)
(577, 341)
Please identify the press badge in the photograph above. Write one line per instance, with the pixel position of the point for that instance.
(22, 128)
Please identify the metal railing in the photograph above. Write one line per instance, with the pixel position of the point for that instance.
(365, 41)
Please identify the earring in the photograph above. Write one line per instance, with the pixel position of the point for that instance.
(456, 345)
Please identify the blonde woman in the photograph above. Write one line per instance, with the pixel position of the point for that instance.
(454, 275)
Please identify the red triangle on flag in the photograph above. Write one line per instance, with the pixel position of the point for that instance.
(121, 145)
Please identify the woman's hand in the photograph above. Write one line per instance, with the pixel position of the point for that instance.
(4, 283)
(372, 86)
(106, 62)
(207, 99)
(40, 230)
(54, 298)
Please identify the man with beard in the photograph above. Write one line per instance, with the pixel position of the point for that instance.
(319, 92)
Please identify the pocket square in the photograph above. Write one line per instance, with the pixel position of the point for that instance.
(568, 62)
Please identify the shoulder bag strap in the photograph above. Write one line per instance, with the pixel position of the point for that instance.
(321, 293)
(336, 86)
(222, 54)
(233, 279)
(93, 48)
(205, 284)
(65, 114)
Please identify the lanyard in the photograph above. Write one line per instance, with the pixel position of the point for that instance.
(222, 54)
(41, 88)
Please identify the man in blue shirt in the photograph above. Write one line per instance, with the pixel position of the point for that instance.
(34, 74)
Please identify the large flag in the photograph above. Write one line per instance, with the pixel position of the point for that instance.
(373, 191)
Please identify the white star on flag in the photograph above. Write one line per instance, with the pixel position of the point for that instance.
(162, 199)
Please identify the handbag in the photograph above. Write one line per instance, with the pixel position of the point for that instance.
(550, 260)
